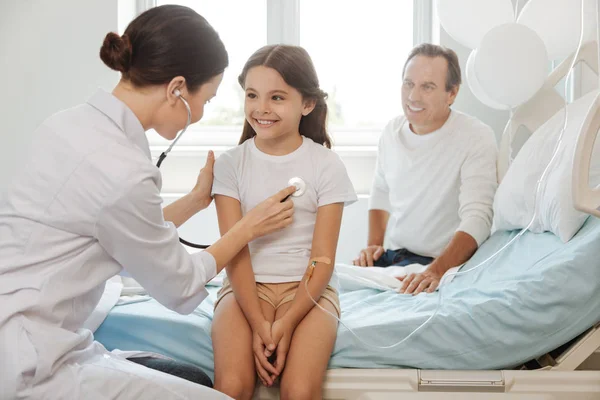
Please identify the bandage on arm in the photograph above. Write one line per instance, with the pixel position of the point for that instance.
(313, 264)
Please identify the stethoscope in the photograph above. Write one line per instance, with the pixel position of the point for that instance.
(296, 181)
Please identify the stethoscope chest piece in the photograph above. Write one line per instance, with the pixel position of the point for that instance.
(299, 184)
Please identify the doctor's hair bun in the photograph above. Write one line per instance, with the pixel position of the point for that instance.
(165, 42)
(116, 52)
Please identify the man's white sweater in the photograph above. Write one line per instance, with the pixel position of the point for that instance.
(435, 184)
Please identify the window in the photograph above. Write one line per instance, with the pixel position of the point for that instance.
(358, 49)
(242, 26)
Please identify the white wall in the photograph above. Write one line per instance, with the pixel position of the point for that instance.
(48, 61)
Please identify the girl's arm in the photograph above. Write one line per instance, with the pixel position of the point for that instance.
(239, 270)
(241, 277)
(324, 244)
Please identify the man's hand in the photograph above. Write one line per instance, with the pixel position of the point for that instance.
(368, 256)
(426, 281)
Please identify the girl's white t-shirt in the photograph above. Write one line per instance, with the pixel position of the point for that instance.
(247, 174)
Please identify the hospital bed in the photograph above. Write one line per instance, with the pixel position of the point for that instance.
(535, 297)
(526, 326)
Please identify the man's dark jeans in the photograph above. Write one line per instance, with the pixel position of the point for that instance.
(177, 368)
(401, 258)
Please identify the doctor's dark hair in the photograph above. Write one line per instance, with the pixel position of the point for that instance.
(296, 68)
(165, 42)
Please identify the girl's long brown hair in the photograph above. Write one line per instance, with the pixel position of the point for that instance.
(296, 68)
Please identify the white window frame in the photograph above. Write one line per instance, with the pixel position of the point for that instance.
(357, 146)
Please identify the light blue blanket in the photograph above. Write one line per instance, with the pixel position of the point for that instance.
(535, 296)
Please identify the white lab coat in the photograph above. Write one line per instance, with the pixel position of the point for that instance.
(86, 205)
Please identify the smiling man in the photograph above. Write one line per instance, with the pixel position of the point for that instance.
(435, 178)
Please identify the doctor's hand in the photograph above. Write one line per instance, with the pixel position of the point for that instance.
(426, 281)
(262, 344)
(281, 332)
(202, 190)
(368, 256)
(271, 215)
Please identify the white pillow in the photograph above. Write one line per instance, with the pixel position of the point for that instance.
(514, 200)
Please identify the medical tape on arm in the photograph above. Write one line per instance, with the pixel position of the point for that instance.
(313, 264)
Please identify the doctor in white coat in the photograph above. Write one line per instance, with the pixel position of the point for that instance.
(87, 205)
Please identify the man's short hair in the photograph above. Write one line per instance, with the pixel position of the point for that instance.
(453, 77)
